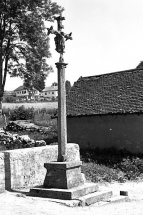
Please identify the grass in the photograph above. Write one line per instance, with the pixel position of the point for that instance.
(110, 164)
(36, 105)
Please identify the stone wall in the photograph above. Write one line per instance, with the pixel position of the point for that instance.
(2, 173)
(105, 131)
(25, 167)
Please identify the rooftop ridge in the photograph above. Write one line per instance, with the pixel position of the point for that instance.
(111, 73)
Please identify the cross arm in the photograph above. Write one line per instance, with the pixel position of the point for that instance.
(68, 36)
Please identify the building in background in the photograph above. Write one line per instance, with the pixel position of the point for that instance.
(107, 111)
(50, 93)
(23, 94)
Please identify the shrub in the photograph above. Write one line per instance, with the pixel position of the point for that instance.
(10, 99)
(112, 165)
(132, 167)
(21, 113)
(100, 173)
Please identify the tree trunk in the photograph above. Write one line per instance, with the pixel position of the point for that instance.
(1, 87)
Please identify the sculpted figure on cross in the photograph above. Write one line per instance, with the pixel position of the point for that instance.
(60, 37)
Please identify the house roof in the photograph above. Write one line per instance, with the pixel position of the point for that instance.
(54, 88)
(20, 88)
(112, 93)
(6, 93)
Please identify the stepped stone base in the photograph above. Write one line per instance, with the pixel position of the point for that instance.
(64, 181)
(65, 194)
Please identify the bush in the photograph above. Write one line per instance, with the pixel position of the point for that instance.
(21, 113)
(112, 165)
(10, 99)
(132, 167)
(100, 173)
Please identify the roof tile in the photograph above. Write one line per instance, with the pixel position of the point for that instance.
(119, 92)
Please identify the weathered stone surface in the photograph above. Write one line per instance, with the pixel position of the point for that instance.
(63, 175)
(25, 167)
(66, 194)
(2, 173)
(95, 197)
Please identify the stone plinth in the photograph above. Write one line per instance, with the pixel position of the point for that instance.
(2, 173)
(65, 194)
(63, 175)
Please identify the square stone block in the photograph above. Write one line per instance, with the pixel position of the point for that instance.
(63, 175)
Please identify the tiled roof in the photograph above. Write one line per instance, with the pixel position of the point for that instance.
(119, 92)
(20, 88)
(55, 88)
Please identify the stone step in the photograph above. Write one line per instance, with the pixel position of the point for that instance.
(114, 199)
(94, 197)
(65, 194)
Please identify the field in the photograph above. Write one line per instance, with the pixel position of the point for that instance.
(36, 105)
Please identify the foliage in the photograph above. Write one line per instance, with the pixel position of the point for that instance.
(39, 113)
(54, 84)
(111, 165)
(132, 167)
(21, 113)
(100, 173)
(10, 99)
(24, 44)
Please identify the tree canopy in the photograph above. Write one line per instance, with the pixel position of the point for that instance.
(24, 44)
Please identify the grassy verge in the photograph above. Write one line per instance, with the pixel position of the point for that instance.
(109, 165)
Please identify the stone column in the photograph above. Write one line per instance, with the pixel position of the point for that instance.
(62, 125)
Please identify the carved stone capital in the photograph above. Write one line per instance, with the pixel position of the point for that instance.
(61, 65)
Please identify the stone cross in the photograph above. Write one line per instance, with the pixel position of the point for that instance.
(60, 39)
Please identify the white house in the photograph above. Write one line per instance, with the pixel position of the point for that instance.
(23, 94)
(50, 93)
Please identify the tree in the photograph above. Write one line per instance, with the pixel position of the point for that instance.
(24, 44)
(68, 86)
(54, 84)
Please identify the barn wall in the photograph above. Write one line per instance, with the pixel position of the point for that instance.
(120, 131)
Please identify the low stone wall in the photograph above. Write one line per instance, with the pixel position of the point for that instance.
(25, 167)
(2, 173)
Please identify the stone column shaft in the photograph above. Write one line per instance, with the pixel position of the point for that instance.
(62, 125)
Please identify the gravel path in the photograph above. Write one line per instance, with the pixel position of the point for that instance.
(12, 203)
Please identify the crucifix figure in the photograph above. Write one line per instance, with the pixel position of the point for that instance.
(60, 39)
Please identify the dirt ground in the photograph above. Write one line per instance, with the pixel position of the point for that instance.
(16, 203)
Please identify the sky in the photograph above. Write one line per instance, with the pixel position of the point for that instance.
(107, 37)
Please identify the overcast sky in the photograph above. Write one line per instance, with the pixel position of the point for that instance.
(107, 37)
